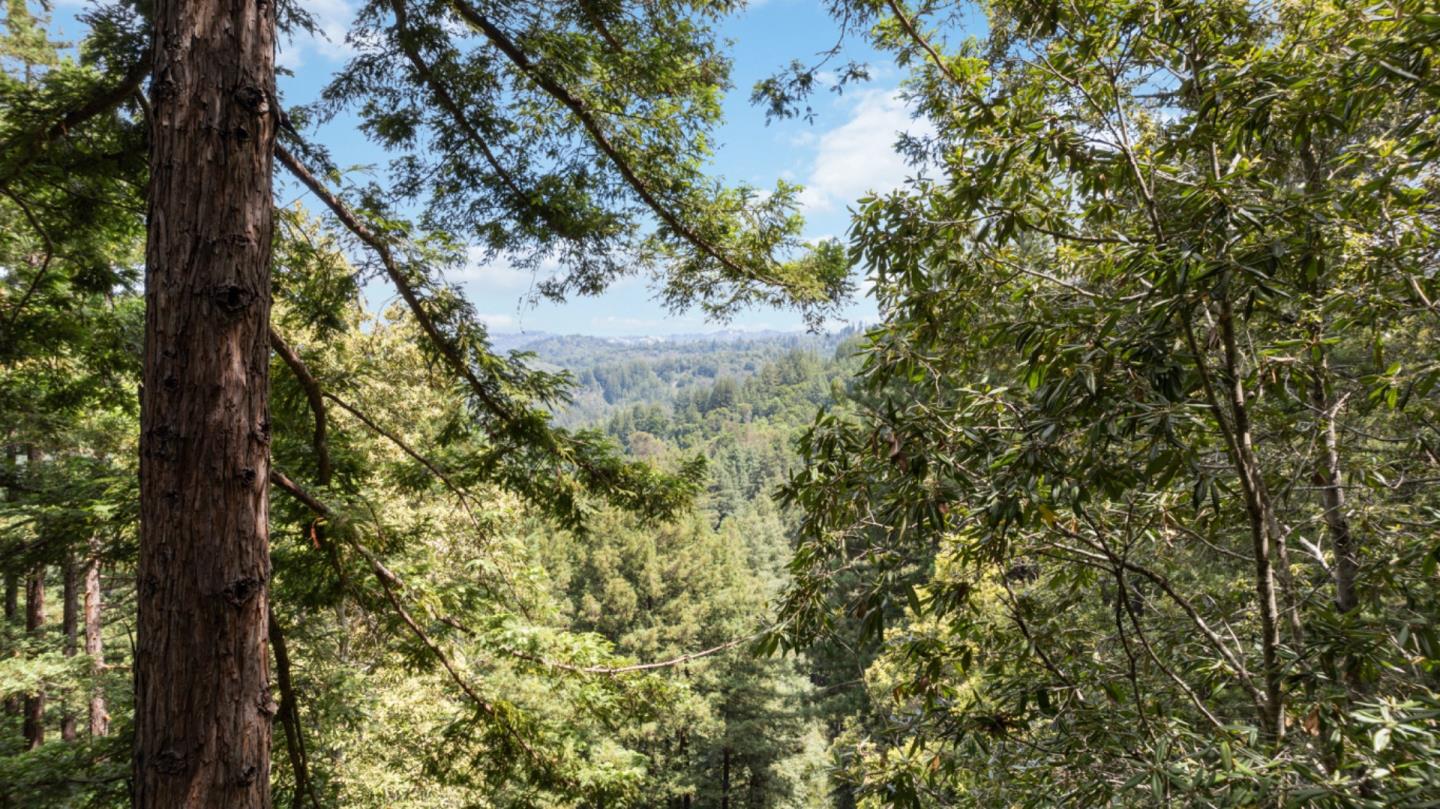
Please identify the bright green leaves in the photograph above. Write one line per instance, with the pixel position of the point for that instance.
(1136, 319)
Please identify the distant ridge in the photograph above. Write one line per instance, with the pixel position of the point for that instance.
(538, 340)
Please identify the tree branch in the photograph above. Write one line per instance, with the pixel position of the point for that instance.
(591, 124)
(104, 101)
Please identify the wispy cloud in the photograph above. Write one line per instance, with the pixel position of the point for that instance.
(613, 322)
(499, 322)
(498, 275)
(332, 18)
(859, 155)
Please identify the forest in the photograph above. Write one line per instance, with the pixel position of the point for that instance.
(1125, 493)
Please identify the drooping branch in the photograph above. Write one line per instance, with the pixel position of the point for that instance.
(381, 248)
(404, 447)
(44, 264)
(602, 141)
(289, 710)
(633, 486)
(389, 582)
(452, 107)
(317, 403)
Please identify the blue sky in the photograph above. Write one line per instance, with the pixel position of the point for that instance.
(845, 151)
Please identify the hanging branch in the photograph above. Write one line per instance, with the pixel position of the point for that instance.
(453, 108)
(399, 442)
(381, 248)
(591, 124)
(289, 705)
(316, 399)
(632, 486)
(289, 713)
(388, 583)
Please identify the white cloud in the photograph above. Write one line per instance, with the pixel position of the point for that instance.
(333, 18)
(499, 275)
(616, 322)
(859, 155)
(498, 322)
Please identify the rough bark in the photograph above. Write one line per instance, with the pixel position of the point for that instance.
(34, 712)
(94, 644)
(70, 601)
(203, 707)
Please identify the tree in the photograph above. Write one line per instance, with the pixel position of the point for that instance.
(1159, 337)
(202, 735)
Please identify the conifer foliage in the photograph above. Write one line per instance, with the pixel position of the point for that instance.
(1128, 499)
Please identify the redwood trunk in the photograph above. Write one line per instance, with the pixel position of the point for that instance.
(203, 708)
(12, 581)
(12, 623)
(34, 725)
(70, 601)
(725, 778)
(94, 644)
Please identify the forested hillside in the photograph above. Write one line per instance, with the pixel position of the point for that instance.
(1126, 493)
(611, 373)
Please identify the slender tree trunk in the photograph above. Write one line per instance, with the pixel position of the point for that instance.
(12, 598)
(725, 778)
(203, 708)
(1332, 497)
(34, 726)
(1262, 527)
(12, 581)
(70, 600)
(12, 623)
(94, 644)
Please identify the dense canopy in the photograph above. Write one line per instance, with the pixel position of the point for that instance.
(1128, 497)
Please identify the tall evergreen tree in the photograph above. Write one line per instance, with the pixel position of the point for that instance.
(203, 703)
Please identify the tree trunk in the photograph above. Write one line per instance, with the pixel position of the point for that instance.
(1332, 498)
(203, 708)
(12, 623)
(12, 581)
(70, 599)
(94, 645)
(34, 726)
(1262, 529)
(725, 778)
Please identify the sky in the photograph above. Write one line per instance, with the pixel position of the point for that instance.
(845, 151)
